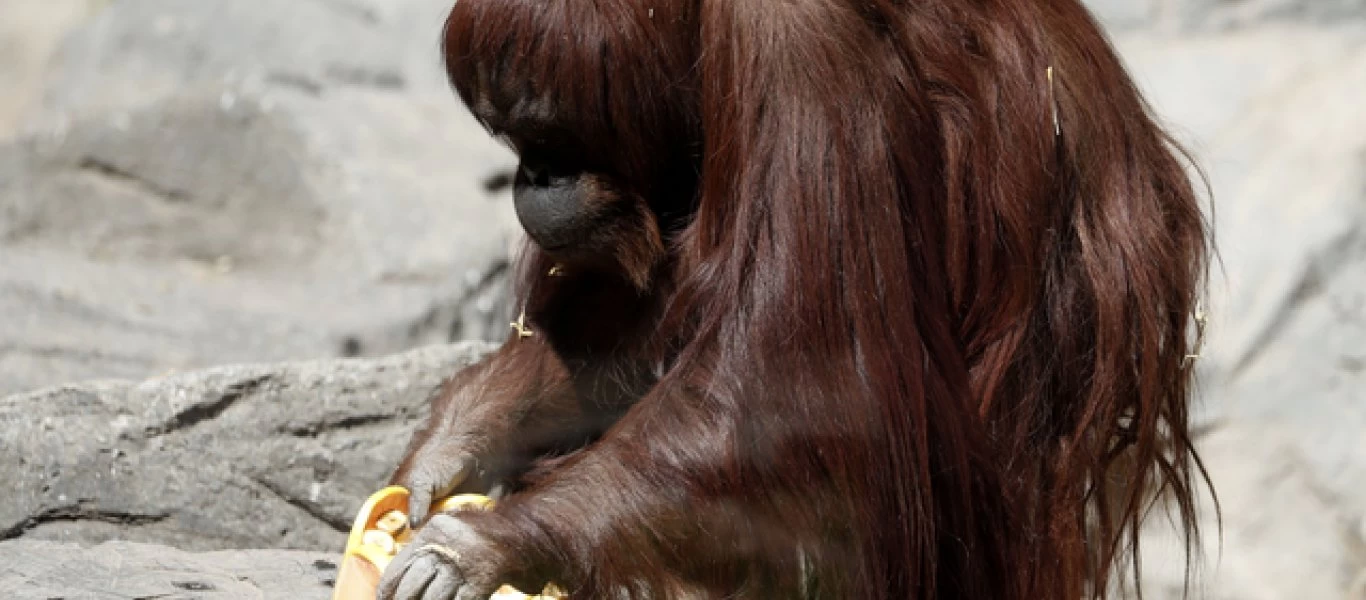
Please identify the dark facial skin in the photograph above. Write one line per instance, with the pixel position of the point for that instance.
(553, 206)
(587, 219)
(592, 206)
(574, 213)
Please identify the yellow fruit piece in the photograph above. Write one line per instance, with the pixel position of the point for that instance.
(375, 540)
(392, 523)
(379, 539)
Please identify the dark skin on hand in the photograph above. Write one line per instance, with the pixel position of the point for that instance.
(821, 299)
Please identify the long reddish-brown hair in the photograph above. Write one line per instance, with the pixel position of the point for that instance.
(932, 272)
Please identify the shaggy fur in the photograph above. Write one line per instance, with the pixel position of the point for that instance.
(872, 325)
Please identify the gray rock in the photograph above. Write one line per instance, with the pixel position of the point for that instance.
(1125, 14)
(1284, 141)
(139, 50)
(1283, 378)
(195, 178)
(29, 34)
(1285, 532)
(36, 570)
(277, 456)
(1219, 15)
(211, 183)
(1225, 14)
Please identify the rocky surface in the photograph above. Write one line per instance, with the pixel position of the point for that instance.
(191, 184)
(1187, 16)
(29, 34)
(269, 456)
(36, 570)
(1272, 108)
(208, 183)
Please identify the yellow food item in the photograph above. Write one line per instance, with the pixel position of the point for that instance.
(380, 532)
(381, 540)
(393, 522)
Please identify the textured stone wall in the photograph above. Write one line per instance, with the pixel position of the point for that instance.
(199, 183)
(1270, 96)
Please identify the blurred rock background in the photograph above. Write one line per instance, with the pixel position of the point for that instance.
(1270, 96)
(192, 184)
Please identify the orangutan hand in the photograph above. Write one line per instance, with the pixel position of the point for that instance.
(448, 559)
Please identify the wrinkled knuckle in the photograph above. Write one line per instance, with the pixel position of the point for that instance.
(414, 479)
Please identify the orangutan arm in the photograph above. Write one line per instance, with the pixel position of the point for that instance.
(539, 396)
(485, 420)
(653, 507)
